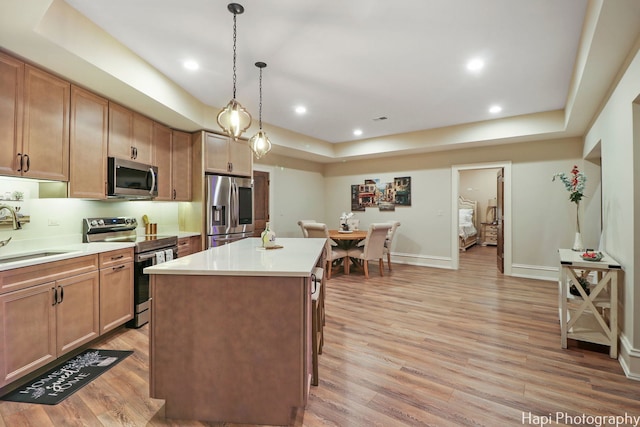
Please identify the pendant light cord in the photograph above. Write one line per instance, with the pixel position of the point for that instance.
(260, 104)
(234, 56)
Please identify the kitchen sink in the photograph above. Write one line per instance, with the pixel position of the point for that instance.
(23, 257)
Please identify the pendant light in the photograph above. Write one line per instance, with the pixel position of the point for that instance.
(259, 143)
(234, 119)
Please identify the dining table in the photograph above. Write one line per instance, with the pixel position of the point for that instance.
(347, 240)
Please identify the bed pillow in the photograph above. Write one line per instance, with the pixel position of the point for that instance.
(465, 216)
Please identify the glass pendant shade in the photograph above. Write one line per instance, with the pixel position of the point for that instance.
(260, 144)
(234, 119)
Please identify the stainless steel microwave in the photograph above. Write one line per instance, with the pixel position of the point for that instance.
(131, 180)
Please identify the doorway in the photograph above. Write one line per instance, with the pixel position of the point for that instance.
(505, 212)
(260, 201)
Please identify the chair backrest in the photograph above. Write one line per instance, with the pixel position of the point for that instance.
(317, 230)
(376, 237)
(391, 233)
(301, 224)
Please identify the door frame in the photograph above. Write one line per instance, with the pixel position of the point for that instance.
(270, 170)
(455, 192)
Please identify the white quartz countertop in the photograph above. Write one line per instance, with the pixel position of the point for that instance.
(297, 258)
(50, 253)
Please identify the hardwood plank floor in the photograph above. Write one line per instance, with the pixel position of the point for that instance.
(417, 347)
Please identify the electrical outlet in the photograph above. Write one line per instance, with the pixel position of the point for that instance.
(53, 222)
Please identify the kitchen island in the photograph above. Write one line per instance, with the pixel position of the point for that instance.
(230, 332)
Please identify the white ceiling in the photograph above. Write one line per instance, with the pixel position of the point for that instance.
(350, 62)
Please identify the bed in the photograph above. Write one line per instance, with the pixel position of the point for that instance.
(467, 223)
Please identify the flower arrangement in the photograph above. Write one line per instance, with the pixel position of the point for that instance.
(574, 184)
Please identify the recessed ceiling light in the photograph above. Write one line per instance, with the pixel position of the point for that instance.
(494, 109)
(191, 65)
(300, 109)
(476, 64)
(357, 132)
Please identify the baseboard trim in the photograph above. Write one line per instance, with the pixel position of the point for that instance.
(538, 272)
(629, 358)
(421, 260)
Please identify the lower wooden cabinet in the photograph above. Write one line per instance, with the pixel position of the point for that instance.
(50, 309)
(40, 323)
(188, 245)
(116, 289)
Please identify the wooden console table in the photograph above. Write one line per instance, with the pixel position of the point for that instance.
(594, 317)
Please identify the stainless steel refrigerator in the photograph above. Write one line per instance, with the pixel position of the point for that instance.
(229, 209)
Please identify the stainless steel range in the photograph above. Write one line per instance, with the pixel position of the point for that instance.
(148, 249)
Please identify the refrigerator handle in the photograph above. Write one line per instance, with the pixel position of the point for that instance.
(234, 204)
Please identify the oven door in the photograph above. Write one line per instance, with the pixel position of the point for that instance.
(141, 294)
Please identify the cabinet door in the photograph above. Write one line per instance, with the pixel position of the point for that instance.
(142, 139)
(120, 132)
(240, 158)
(27, 331)
(116, 296)
(11, 87)
(216, 158)
(88, 145)
(45, 138)
(181, 166)
(162, 159)
(77, 320)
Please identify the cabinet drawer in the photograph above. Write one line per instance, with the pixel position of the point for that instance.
(24, 277)
(108, 259)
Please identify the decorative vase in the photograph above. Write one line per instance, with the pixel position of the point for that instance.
(578, 246)
(268, 237)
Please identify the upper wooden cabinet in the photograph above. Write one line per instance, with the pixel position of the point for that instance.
(223, 155)
(172, 156)
(11, 87)
(130, 135)
(162, 159)
(34, 122)
(181, 165)
(88, 145)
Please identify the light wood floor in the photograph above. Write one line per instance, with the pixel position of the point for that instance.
(418, 347)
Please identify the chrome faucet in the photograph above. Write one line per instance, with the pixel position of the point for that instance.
(14, 216)
(5, 242)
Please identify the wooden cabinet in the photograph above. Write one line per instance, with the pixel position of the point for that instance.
(489, 232)
(130, 135)
(172, 156)
(116, 288)
(77, 311)
(223, 155)
(45, 311)
(189, 245)
(11, 87)
(45, 137)
(34, 122)
(162, 159)
(181, 165)
(88, 145)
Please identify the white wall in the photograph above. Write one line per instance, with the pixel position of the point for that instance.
(617, 131)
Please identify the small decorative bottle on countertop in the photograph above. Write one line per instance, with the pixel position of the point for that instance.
(268, 237)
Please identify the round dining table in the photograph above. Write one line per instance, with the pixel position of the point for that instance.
(354, 235)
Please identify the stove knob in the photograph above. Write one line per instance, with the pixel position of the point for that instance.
(101, 222)
(127, 221)
(94, 223)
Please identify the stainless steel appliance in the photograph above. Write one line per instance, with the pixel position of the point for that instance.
(131, 180)
(148, 250)
(229, 209)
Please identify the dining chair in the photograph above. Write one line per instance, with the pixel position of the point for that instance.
(305, 221)
(389, 240)
(318, 229)
(373, 248)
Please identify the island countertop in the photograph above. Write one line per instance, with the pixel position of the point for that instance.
(247, 257)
